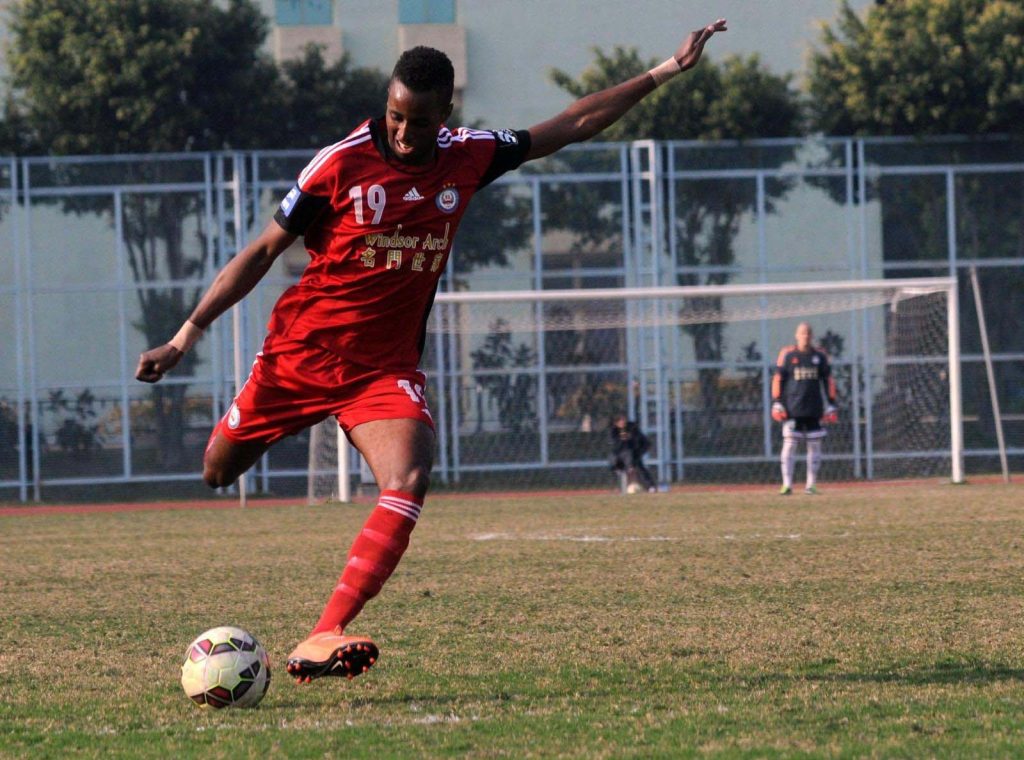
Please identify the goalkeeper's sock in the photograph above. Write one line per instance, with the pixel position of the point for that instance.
(813, 462)
(788, 461)
(373, 557)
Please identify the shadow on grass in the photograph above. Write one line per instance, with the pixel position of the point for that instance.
(967, 674)
(943, 673)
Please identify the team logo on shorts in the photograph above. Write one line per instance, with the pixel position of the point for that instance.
(448, 200)
(234, 417)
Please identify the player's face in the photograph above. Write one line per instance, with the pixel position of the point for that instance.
(412, 120)
(803, 337)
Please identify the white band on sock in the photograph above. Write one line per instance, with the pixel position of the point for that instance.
(189, 333)
(404, 507)
(665, 71)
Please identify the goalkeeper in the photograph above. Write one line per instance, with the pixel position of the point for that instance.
(803, 397)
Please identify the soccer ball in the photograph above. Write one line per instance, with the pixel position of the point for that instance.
(633, 488)
(226, 667)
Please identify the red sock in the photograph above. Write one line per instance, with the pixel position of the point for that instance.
(373, 557)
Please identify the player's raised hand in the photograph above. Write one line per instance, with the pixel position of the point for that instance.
(689, 52)
(155, 362)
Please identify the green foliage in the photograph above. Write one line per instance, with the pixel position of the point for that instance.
(496, 224)
(8, 428)
(921, 67)
(597, 400)
(94, 77)
(515, 393)
(15, 132)
(79, 430)
(141, 75)
(322, 101)
(738, 99)
(933, 67)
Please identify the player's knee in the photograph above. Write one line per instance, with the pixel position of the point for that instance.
(415, 481)
(217, 477)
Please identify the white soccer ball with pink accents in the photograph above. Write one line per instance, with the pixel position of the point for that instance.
(226, 667)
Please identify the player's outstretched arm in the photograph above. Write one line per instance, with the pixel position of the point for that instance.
(230, 286)
(594, 113)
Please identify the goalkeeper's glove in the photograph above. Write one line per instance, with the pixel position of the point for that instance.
(831, 416)
(779, 412)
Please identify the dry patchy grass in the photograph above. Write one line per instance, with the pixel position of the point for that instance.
(863, 622)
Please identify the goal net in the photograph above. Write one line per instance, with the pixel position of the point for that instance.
(522, 384)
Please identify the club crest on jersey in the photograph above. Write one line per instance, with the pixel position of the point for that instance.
(448, 200)
(234, 417)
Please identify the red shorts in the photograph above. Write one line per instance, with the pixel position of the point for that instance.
(295, 385)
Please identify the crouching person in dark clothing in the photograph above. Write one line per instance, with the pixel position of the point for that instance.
(628, 446)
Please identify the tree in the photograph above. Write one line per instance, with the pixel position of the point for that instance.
(936, 67)
(737, 99)
(921, 67)
(514, 392)
(322, 102)
(94, 77)
(142, 75)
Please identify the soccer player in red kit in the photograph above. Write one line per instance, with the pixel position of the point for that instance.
(801, 386)
(377, 212)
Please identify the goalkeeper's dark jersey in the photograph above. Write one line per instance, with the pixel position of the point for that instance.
(803, 379)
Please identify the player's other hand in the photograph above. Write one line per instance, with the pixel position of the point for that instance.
(689, 52)
(779, 412)
(155, 362)
(831, 416)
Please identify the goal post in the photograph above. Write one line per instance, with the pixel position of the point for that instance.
(522, 382)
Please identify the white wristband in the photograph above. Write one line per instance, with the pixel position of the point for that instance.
(189, 333)
(665, 71)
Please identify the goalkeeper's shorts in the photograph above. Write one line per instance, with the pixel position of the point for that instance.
(295, 385)
(803, 429)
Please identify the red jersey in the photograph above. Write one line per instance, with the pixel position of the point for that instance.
(378, 233)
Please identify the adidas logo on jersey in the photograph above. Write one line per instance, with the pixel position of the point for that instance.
(412, 195)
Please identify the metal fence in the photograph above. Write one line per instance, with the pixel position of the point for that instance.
(103, 256)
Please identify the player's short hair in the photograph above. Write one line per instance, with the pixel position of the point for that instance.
(426, 69)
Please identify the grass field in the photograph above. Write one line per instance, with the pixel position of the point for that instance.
(874, 621)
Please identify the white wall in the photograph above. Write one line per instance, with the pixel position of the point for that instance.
(512, 45)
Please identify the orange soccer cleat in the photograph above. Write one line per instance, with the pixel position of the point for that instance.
(329, 653)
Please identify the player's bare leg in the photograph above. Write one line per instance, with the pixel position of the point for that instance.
(225, 460)
(400, 453)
